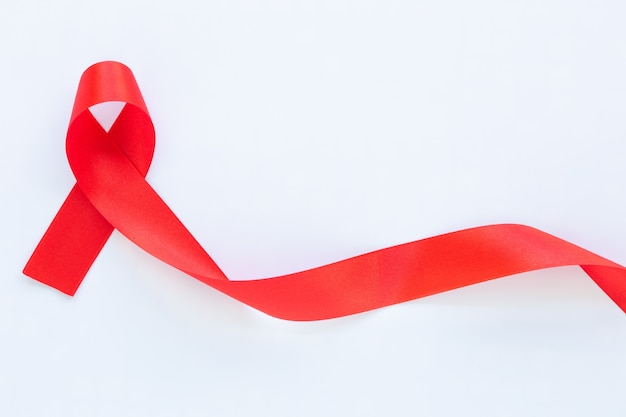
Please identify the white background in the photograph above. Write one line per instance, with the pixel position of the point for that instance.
(292, 134)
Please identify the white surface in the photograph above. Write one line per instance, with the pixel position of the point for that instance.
(107, 113)
(292, 134)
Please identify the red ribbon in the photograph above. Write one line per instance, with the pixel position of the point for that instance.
(111, 192)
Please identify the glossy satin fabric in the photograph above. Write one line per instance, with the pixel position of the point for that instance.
(111, 192)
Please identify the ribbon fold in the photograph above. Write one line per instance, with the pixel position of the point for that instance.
(111, 192)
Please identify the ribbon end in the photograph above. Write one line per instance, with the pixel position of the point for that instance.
(70, 245)
(66, 286)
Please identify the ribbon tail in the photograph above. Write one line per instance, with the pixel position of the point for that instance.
(70, 245)
(612, 280)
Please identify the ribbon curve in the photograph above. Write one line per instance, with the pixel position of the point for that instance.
(111, 192)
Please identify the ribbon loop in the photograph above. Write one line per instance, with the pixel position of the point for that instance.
(111, 192)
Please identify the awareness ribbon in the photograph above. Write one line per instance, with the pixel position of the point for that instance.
(111, 192)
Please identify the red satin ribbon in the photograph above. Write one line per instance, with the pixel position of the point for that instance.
(111, 192)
